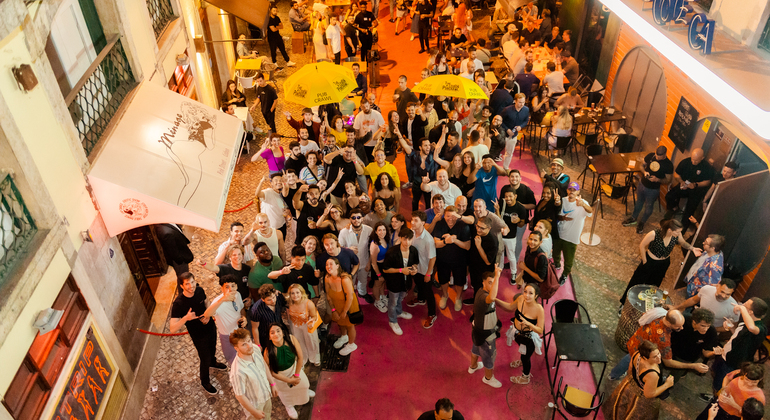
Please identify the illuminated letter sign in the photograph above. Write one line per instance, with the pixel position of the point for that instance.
(700, 32)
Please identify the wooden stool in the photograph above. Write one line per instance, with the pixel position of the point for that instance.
(298, 43)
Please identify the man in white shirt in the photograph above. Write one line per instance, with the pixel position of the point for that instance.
(476, 147)
(236, 235)
(320, 7)
(442, 186)
(252, 383)
(229, 313)
(717, 299)
(426, 250)
(471, 57)
(356, 238)
(572, 216)
(272, 203)
(528, 57)
(470, 67)
(334, 37)
(368, 120)
(554, 79)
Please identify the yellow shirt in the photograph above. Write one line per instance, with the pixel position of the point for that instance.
(373, 170)
(341, 136)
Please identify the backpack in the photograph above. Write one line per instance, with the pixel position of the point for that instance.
(550, 285)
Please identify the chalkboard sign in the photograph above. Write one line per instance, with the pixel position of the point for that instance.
(86, 384)
(683, 126)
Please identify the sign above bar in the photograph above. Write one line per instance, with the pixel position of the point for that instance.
(700, 32)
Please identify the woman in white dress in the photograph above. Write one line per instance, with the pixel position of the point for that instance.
(302, 316)
(282, 354)
(319, 29)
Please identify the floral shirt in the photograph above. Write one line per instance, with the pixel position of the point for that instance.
(656, 332)
(704, 272)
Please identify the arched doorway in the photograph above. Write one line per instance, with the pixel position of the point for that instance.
(639, 91)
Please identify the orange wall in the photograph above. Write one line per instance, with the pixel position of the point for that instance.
(677, 85)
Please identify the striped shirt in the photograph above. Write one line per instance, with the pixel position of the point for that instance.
(262, 313)
(249, 379)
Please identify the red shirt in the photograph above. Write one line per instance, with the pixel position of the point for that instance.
(656, 332)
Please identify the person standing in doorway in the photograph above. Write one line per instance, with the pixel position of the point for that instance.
(274, 38)
(364, 23)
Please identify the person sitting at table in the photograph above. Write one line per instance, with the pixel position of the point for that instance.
(361, 86)
(541, 105)
(500, 20)
(527, 81)
(528, 57)
(569, 66)
(571, 100)
(298, 19)
(458, 39)
(657, 170)
(472, 56)
(482, 53)
(738, 387)
(512, 34)
(531, 34)
(697, 339)
(232, 95)
(561, 126)
(638, 396)
(655, 252)
(557, 176)
(552, 38)
(243, 51)
(546, 24)
(553, 79)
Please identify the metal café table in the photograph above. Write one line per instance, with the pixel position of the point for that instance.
(578, 343)
(616, 163)
(639, 300)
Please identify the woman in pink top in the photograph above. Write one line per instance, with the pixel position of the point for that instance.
(273, 153)
(737, 387)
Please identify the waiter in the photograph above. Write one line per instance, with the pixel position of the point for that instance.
(365, 22)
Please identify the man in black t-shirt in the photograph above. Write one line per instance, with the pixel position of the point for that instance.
(453, 240)
(351, 39)
(364, 22)
(348, 259)
(694, 175)
(274, 38)
(524, 196)
(186, 311)
(483, 252)
(444, 410)
(309, 211)
(658, 170)
(243, 279)
(296, 160)
(297, 272)
(485, 329)
(267, 99)
(425, 13)
(747, 336)
(697, 339)
(290, 187)
(458, 39)
(515, 217)
(345, 160)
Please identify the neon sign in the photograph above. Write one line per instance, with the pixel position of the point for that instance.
(700, 32)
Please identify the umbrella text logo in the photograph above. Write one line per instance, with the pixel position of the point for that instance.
(300, 92)
(451, 87)
(323, 97)
(133, 209)
(340, 84)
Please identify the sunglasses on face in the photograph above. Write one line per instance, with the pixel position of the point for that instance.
(356, 217)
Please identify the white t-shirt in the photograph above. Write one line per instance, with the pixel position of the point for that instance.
(450, 194)
(227, 315)
(371, 122)
(478, 151)
(348, 239)
(721, 310)
(248, 250)
(273, 206)
(477, 65)
(334, 37)
(555, 81)
(311, 146)
(426, 249)
(570, 230)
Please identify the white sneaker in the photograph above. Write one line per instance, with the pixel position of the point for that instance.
(396, 328)
(465, 286)
(442, 303)
(310, 393)
(341, 342)
(381, 306)
(384, 300)
(493, 382)
(479, 366)
(349, 348)
(405, 315)
(291, 64)
(292, 412)
(458, 304)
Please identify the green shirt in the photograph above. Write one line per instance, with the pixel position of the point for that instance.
(258, 274)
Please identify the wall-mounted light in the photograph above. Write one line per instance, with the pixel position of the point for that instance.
(86, 236)
(182, 59)
(47, 320)
(200, 46)
(25, 77)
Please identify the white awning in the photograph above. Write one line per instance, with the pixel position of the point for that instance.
(169, 160)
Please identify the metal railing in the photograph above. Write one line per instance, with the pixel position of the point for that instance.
(161, 13)
(98, 94)
(16, 226)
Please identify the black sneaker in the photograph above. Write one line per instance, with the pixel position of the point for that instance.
(629, 222)
(468, 301)
(416, 302)
(705, 397)
(640, 228)
(369, 298)
(219, 366)
(210, 389)
(562, 280)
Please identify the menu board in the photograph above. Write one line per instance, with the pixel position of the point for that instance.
(683, 126)
(87, 383)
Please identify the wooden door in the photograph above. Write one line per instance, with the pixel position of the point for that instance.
(134, 260)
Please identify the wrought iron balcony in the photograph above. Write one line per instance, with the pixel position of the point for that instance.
(161, 13)
(98, 94)
(16, 226)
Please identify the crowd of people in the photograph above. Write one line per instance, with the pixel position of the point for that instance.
(332, 227)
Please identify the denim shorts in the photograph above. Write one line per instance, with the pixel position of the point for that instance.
(486, 352)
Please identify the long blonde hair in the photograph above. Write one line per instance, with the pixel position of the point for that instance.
(563, 120)
(301, 290)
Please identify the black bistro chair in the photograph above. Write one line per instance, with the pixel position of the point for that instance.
(565, 311)
(591, 150)
(576, 402)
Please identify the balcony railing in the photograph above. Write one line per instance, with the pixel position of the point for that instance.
(98, 94)
(16, 226)
(161, 13)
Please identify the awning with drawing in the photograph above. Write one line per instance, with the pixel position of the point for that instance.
(169, 160)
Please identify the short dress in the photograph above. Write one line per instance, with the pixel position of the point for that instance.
(337, 300)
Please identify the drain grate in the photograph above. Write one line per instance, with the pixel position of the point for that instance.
(331, 361)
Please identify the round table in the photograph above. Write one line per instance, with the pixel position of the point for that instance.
(635, 307)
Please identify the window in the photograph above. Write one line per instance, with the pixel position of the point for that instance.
(705, 4)
(28, 393)
(764, 40)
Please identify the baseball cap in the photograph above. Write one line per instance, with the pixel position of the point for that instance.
(558, 161)
(574, 185)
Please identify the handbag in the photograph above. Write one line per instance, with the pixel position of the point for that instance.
(355, 318)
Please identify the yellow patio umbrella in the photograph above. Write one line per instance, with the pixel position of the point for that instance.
(450, 85)
(319, 83)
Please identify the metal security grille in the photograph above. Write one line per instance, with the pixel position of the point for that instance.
(161, 13)
(16, 226)
(98, 94)
(764, 40)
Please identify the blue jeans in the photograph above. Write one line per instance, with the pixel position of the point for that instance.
(645, 197)
(395, 306)
(621, 367)
(487, 353)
